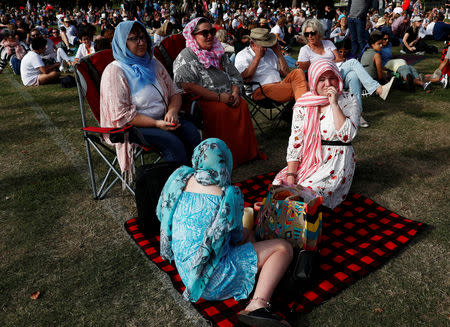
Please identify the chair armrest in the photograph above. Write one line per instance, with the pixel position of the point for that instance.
(107, 130)
(259, 86)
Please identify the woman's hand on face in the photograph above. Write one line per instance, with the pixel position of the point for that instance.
(167, 126)
(332, 95)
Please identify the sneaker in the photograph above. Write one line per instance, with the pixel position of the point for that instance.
(420, 53)
(444, 81)
(64, 66)
(402, 52)
(422, 77)
(386, 88)
(363, 123)
(427, 86)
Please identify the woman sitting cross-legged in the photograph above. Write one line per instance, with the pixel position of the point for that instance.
(201, 230)
(351, 70)
(203, 70)
(320, 155)
(136, 89)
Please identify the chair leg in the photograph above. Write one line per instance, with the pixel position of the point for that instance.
(91, 169)
(253, 115)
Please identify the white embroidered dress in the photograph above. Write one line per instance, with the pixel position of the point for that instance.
(332, 180)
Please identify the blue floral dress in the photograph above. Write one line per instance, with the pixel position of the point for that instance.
(234, 275)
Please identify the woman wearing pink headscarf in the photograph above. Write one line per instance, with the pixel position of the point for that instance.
(203, 70)
(325, 121)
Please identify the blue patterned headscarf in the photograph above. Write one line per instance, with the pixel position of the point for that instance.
(212, 165)
(139, 71)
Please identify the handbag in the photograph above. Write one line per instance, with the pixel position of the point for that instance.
(293, 213)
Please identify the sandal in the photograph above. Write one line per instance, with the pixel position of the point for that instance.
(262, 317)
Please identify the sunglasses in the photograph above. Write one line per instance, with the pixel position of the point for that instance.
(308, 34)
(386, 39)
(205, 33)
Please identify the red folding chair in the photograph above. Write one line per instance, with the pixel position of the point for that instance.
(88, 74)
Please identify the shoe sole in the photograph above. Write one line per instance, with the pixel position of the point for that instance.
(260, 321)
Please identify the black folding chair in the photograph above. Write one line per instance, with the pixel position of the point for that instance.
(268, 108)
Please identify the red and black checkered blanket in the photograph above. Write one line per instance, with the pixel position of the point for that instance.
(357, 237)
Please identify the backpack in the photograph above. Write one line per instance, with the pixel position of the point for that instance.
(150, 180)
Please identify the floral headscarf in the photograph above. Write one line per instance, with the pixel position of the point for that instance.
(312, 151)
(207, 57)
(212, 164)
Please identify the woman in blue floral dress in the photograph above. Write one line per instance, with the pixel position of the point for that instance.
(201, 230)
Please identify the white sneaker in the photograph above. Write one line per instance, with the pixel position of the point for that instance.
(386, 88)
(427, 86)
(363, 122)
(444, 81)
(420, 53)
(402, 52)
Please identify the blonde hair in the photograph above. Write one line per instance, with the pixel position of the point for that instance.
(314, 24)
(221, 35)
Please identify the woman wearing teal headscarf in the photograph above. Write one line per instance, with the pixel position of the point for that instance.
(201, 230)
(136, 89)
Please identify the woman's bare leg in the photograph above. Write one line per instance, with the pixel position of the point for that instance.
(274, 257)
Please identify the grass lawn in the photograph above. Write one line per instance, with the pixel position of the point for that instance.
(55, 239)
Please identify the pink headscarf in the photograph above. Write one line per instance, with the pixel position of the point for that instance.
(312, 151)
(206, 57)
(18, 49)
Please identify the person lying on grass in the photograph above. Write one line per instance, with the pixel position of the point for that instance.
(33, 71)
(201, 230)
(379, 57)
(407, 72)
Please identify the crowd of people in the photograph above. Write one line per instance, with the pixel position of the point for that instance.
(226, 46)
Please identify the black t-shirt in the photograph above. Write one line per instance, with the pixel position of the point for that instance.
(411, 34)
(156, 24)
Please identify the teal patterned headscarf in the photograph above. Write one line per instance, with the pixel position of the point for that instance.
(212, 164)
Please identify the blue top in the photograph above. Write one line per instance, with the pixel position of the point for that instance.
(212, 163)
(386, 54)
(234, 275)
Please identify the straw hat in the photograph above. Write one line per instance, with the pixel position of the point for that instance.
(380, 22)
(263, 37)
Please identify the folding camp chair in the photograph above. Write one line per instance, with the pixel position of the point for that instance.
(268, 108)
(88, 76)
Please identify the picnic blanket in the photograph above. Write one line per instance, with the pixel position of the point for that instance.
(358, 236)
(409, 58)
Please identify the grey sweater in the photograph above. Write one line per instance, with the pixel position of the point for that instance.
(358, 8)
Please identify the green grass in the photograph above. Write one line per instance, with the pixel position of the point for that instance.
(54, 238)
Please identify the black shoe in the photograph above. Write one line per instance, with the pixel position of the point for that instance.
(262, 317)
